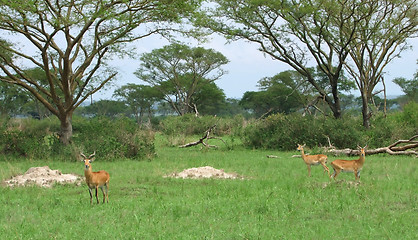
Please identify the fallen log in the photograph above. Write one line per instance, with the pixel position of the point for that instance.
(392, 149)
(206, 137)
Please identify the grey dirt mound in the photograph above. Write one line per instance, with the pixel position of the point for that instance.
(204, 172)
(42, 176)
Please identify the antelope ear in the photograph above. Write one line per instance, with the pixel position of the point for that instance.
(91, 159)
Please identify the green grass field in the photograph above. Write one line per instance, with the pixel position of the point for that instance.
(276, 200)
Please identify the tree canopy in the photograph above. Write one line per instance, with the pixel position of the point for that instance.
(302, 34)
(139, 98)
(179, 71)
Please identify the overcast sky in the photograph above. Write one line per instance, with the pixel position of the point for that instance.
(248, 65)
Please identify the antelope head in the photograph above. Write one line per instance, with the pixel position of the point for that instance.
(88, 160)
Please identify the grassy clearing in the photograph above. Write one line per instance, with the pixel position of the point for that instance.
(276, 201)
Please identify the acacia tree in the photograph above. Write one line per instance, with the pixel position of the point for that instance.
(380, 38)
(298, 33)
(409, 87)
(139, 98)
(210, 99)
(71, 40)
(179, 71)
(108, 108)
(12, 99)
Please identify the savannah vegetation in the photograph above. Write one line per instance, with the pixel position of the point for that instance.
(48, 117)
(276, 200)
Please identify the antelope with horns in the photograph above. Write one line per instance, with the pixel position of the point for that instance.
(96, 180)
(313, 160)
(354, 166)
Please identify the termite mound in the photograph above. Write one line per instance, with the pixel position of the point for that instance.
(204, 172)
(43, 177)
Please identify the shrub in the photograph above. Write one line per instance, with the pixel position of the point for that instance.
(284, 132)
(346, 132)
(177, 130)
(118, 138)
(111, 139)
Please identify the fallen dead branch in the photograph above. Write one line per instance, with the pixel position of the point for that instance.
(393, 149)
(206, 137)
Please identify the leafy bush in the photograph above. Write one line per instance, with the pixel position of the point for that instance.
(347, 132)
(284, 132)
(28, 137)
(177, 129)
(119, 138)
(111, 139)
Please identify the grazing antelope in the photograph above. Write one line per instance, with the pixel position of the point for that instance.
(349, 165)
(96, 180)
(313, 160)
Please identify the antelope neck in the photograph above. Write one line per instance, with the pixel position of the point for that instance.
(361, 159)
(88, 173)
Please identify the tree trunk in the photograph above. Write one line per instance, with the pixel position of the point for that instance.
(66, 131)
(365, 111)
(336, 105)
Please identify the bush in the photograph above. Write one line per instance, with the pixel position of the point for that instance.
(111, 139)
(347, 132)
(284, 132)
(177, 129)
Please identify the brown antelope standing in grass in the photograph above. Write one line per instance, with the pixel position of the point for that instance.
(96, 180)
(354, 166)
(313, 160)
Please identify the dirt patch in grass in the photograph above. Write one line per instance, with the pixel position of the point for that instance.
(43, 177)
(204, 172)
(342, 183)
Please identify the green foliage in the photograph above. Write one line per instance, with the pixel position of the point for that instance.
(180, 71)
(398, 125)
(344, 133)
(139, 98)
(108, 108)
(118, 138)
(409, 87)
(178, 128)
(29, 137)
(113, 138)
(410, 114)
(210, 99)
(284, 132)
(289, 91)
(12, 99)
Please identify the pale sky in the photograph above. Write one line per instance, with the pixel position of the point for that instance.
(248, 65)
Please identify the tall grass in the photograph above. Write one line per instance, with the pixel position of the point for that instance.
(275, 201)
